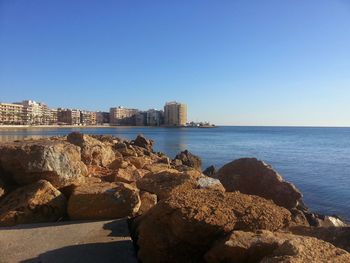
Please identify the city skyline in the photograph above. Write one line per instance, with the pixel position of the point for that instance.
(33, 113)
(280, 63)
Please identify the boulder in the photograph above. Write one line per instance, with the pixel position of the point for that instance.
(251, 176)
(126, 175)
(93, 151)
(34, 203)
(265, 246)
(148, 200)
(123, 149)
(56, 161)
(138, 162)
(163, 183)
(183, 227)
(210, 171)
(158, 167)
(205, 182)
(103, 200)
(338, 236)
(118, 163)
(141, 141)
(190, 159)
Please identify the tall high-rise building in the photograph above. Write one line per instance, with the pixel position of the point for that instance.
(122, 116)
(175, 114)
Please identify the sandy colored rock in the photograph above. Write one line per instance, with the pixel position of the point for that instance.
(141, 141)
(266, 246)
(118, 163)
(56, 161)
(190, 160)
(103, 201)
(34, 203)
(163, 183)
(138, 162)
(93, 151)
(159, 167)
(251, 176)
(183, 227)
(148, 200)
(127, 175)
(338, 236)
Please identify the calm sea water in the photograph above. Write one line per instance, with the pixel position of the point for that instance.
(316, 160)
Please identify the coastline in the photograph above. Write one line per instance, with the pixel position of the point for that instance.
(11, 127)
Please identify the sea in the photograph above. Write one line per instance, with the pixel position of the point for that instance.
(316, 160)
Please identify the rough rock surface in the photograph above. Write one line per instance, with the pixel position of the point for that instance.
(265, 246)
(56, 161)
(103, 201)
(162, 184)
(190, 159)
(189, 221)
(210, 171)
(148, 200)
(93, 151)
(34, 203)
(126, 175)
(338, 236)
(205, 182)
(251, 176)
(141, 141)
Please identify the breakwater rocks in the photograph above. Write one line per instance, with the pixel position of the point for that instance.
(242, 212)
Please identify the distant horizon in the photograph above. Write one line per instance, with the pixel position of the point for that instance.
(270, 63)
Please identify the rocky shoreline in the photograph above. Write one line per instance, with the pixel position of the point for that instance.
(242, 212)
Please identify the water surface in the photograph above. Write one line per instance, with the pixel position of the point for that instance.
(316, 160)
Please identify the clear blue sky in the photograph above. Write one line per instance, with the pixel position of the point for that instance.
(245, 62)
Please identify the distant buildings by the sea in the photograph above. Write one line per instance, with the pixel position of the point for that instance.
(29, 112)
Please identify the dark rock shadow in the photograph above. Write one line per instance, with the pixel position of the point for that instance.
(118, 251)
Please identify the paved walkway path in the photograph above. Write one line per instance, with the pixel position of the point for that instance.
(101, 241)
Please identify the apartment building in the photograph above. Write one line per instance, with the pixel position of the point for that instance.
(88, 118)
(122, 116)
(102, 117)
(154, 117)
(34, 113)
(175, 114)
(11, 113)
(68, 116)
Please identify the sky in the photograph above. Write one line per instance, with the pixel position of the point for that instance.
(233, 62)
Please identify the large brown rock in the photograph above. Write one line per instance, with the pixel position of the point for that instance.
(163, 183)
(103, 201)
(148, 200)
(34, 203)
(265, 246)
(189, 159)
(183, 227)
(56, 161)
(138, 162)
(93, 151)
(141, 141)
(251, 176)
(338, 236)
